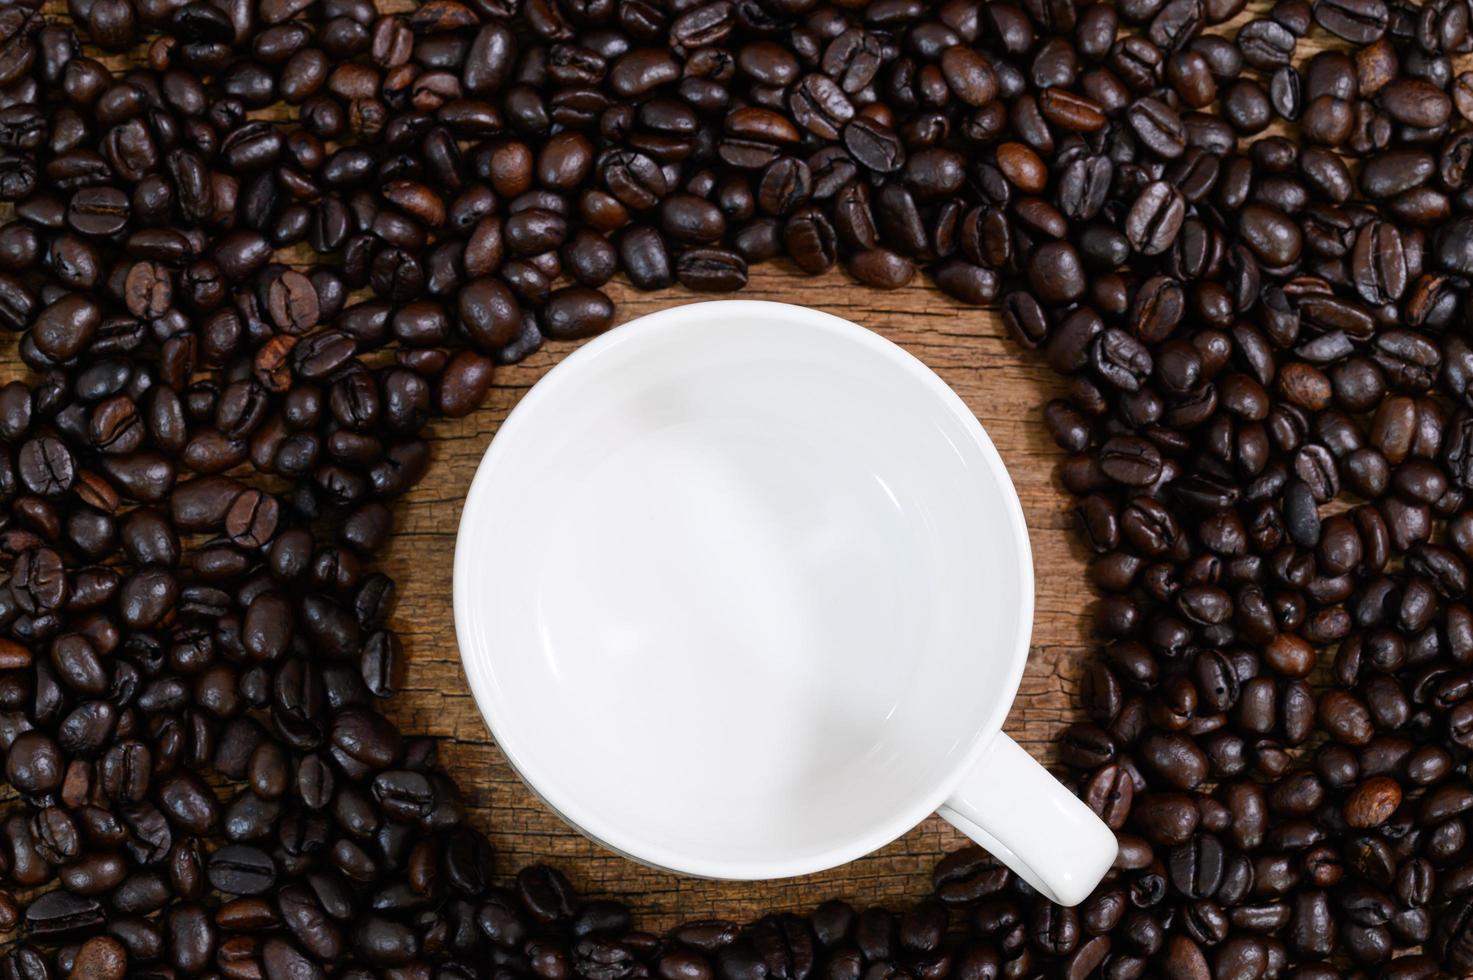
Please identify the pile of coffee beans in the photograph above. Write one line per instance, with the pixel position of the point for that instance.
(1245, 236)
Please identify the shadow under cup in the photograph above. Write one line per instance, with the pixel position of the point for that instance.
(740, 589)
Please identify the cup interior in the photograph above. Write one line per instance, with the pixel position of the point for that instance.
(740, 587)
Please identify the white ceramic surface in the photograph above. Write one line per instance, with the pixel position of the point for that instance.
(744, 591)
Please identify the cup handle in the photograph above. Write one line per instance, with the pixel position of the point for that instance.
(1010, 805)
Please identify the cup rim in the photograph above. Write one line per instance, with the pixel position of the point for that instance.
(654, 328)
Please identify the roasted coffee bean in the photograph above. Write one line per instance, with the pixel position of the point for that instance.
(98, 211)
(874, 146)
(810, 240)
(65, 327)
(1265, 44)
(973, 284)
(820, 104)
(576, 311)
(292, 302)
(1056, 273)
(1155, 218)
(1196, 867)
(1357, 21)
(711, 270)
(60, 913)
(881, 269)
(1158, 127)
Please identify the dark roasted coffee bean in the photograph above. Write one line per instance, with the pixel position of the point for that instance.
(810, 240)
(1273, 237)
(1155, 218)
(1056, 273)
(1357, 21)
(98, 211)
(576, 311)
(820, 105)
(874, 146)
(1158, 127)
(711, 270)
(1265, 44)
(973, 284)
(643, 255)
(60, 913)
(881, 269)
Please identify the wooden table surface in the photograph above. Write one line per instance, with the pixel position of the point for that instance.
(1004, 385)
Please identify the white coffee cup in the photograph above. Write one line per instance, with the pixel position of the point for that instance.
(744, 591)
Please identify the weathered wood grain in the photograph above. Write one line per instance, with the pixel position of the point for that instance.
(1004, 385)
